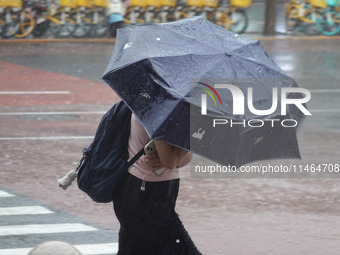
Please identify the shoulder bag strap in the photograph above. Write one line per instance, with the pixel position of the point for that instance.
(136, 157)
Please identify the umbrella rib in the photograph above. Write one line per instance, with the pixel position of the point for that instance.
(165, 119)
(187, 54)
(257, 63)
(193, 39)
(174, 56)
(239, 37)
(252, 74)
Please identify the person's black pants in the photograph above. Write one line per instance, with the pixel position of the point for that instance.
(149, 223)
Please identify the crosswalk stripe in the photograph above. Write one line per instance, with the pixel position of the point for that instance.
(23, 210)
(19, 251)
(44, 138)
(5, 194)
(85, 249)
(34, 92)
(91, 249)
(44, 229)
(16, 232)
(52, 113)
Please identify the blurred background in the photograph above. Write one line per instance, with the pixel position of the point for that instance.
(52, 58)
(101, 18)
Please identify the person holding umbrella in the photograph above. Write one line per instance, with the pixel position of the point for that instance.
(145, 203)
(163, 72)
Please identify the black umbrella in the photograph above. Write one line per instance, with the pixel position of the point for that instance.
(168, 74)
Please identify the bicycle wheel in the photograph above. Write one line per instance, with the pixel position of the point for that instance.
(65, 26)
(83, 24)
(133, 16)
(292, 19)
(10, 28)
(166, 15)
(27, 24)
(170, 17)
(239, 21)
(328, 23)
(151, 15)
(2, 23)
(100, 26)
(41, 28)
(222, 18)
(311, 27)
(211, 16)
(180, 14)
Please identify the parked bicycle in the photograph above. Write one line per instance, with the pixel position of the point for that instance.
(62, 24)
(135, 12)
(80, 18)
(40, 10)
(306, 15)
(169, 11)
(15, 19)
(329, 21)
(233, 16)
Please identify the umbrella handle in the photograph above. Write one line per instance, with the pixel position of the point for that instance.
(150, 148)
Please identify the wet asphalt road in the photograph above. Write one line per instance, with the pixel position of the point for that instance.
(224, 216)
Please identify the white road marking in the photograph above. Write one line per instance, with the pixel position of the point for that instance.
(5, 194)
(91, 249)
(85, 249)
(18, 251)
(51, 113)
(34, 92)
(23, 210)
(44, 229)
(44, 138)
(324, 110)
(324, 90)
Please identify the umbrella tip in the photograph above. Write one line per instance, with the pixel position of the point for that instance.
(227, 54)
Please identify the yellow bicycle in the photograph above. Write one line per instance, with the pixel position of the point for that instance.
(168, 11)
(233, 16)
(87, 18)
(15, 20)
(329, 22)
(147, 11)
(135, 12)
(194, 7)
(98, 18)
(62, 24)
(304, 14)
(79, 16)
(150, 11)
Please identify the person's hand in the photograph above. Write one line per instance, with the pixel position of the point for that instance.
(153, 161)
(171, 156)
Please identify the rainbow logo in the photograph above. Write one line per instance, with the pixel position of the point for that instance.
(209, 93)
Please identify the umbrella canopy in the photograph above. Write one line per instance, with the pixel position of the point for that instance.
(162, 70)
